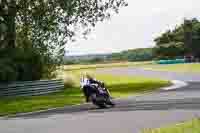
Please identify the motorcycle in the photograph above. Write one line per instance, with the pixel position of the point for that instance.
(101, 97)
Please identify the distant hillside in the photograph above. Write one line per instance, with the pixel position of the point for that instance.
(86, 59)
(140, 54)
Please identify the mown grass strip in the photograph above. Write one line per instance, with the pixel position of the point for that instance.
(109, 65)
(186, 68)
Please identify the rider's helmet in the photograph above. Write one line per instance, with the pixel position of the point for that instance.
(87, 75)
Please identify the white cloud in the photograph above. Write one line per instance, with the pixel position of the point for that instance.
(136, 25)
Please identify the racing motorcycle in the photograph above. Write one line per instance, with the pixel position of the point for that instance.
(101, 97)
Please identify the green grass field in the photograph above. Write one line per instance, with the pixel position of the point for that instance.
(187, 127)
(108, 65)
(194, 68)
(119, 86)
(28, 104)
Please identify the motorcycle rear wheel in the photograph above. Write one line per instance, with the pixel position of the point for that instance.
(109, 102)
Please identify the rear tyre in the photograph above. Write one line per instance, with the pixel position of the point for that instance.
(109, 102)
(101, 105)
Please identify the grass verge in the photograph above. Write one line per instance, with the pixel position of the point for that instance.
(194, 67)
(187, 127)
(28, 104)
(109, 65)
(122, 86)
(119, 87)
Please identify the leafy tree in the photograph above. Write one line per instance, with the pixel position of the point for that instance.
(192, 36)
(7, 23)
(46, 26)
(170, 50)
(184, 39)
(165, 38)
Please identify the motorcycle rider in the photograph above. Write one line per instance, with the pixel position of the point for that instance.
(87, 82)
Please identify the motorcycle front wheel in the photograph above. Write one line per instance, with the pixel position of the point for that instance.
(99, 103)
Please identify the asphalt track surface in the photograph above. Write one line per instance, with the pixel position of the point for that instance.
(131, 115)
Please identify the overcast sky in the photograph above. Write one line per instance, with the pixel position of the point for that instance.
(136, 26)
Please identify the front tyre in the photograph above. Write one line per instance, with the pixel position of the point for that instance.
(96, 102)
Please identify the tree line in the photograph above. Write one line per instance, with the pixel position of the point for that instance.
(140, 54)
(183, 40)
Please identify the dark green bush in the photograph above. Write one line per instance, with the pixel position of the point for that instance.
(7, 70)
(24, 63)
